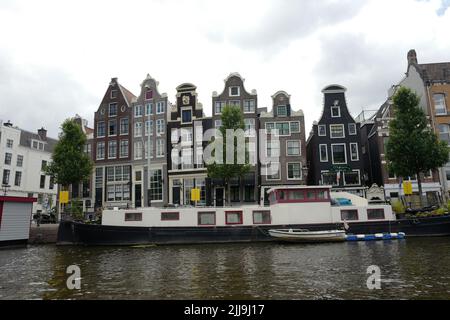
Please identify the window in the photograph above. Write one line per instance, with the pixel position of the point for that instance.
(233, 217)
(234, 91)
(6, 173)
(18, 178)
(186, 136)
(123, 148)
(112, 149)
(88, 149)
(354, 156)
(273, 171)
(100, 151)
(8, 157)
(156, 192)
(133, 216)
(52, 184)
(249, 124)
(337, 131)
(352, 129)
(249, 106)
(375, 214)
(249, 193)
(42, 182)
(283, 128)
(186, 158)
(112, 109)
(19, 160)
(293, 148)
(98, 177)
(170, 216)
(439, 104)
(101, 130)
(235, 196)
(322, 130)
(282, 111)
(296, 195)
(349, 214)
(218, 124)
(444, 133)
(43, 165)
(199, 157)
(329, 179)
(323, 152)
(137, 111)
(352, 178)
(261, 217)
(207, 218)
(35, 145)
(113, 94)
(218, 107)
(138, 150)
(138, 129)
(335, 112)
(160, 126)
(149, 94)
(160, 107)
(124, 126)
(294, 171)
(148, 108)
(186, 116)
(160, 148)
(138, 176)
(112, 128)
(273, 148)
(295, 127)
(9, 143)
(111, 193)
(235, 103)
(338, 153)
(269, 127)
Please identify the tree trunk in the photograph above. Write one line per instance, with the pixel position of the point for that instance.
(419, 185)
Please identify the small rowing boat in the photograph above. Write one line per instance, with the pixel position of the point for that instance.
(303, 235)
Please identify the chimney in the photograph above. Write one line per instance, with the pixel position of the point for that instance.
(8, 124)
(42, 133)
(412, 57)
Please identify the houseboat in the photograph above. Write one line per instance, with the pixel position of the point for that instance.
(315, 208)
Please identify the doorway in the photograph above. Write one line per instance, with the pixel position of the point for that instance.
(138, 196)
(219, 197)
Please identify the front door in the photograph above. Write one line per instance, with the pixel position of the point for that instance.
(176, 195)
(138, 196)
(219, 197)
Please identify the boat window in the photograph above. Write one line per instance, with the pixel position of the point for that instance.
(207, 218)
(233, 217)
(322, 195)
(296, 195)
(261, 217)
(133, 216)
(374, 214)
(170, 216)
(281, 195)
(311, 195)
(349, 215)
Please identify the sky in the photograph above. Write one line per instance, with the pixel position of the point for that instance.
(57, 57)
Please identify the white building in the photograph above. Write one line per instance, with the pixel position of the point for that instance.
(23, 156)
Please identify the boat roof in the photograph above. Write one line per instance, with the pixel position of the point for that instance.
(299, 187)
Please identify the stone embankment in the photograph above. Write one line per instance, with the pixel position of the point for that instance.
(43, 234)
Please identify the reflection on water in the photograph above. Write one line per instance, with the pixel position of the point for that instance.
(410, 269)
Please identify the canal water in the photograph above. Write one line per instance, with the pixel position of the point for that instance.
(413, 268)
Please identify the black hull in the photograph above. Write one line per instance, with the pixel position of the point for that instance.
(74, 233)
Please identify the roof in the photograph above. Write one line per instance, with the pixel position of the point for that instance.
(26, 137)
(435, 71)
(129, 97)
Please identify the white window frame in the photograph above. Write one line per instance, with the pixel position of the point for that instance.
(359, 178)
(339, 111)
(345, 152)
(120, 148)
(111, 143)
(104, 151)
(222, 105)
(150, 128)
(120, 127)
(136, 125)
(254, 106)
(299, 127)
(325, 129)
(327, 171)
(299, 148)
(109, 109)
(160, 124)
(287, 171)
(343, 131)
(104, 129)
(138, 146)
(160, 107)
(148, 108)
(326, 152)
(357, 151)
(279, 173)
(434, 104)
(234, 95)
(353, 125)
(285, 107)
(160, 143)
(136, 108)
(111, 94)
(181, 114)
(109, 126)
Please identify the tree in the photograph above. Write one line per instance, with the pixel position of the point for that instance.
(412, 148)
(232, 119)
(70, 164)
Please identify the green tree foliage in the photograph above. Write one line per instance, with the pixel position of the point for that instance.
(232, 118)
(413, 148)
(70, 164)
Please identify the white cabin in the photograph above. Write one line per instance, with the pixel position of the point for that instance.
(15, 218)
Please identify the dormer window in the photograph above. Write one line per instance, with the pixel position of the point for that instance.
(149, 94)
(235, 91)
(282, 111)
(335, 111)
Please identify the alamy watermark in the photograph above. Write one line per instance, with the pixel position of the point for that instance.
(74, 280)
(374, 280)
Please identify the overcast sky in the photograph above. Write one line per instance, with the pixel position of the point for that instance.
(58, 56)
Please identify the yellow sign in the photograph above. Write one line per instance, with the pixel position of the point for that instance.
(64, 197)
(195, 195)
(407, 188)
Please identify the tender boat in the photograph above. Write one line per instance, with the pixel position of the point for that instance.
(316, 208)
(302, 235)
